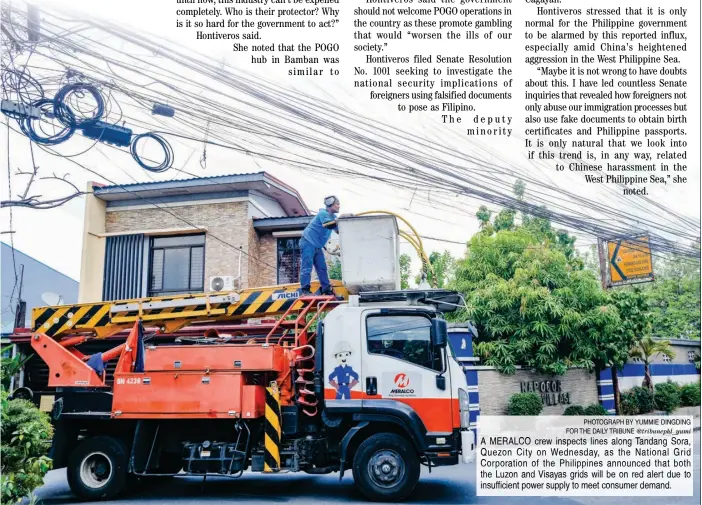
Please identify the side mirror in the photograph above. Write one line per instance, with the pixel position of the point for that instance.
(439, 332)
(441, 382)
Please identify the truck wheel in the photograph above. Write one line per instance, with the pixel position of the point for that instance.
(385, 467)
(97, 469)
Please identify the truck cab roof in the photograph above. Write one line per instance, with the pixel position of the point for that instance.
(441, 300)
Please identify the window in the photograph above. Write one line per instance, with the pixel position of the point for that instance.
(403, 337)
(691, 356)
(177, 265)
(666, 359)
(124, 267)
(288, 260)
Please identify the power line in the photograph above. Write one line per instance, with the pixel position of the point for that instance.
(274, 118)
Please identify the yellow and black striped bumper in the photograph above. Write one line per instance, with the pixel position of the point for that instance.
(271, 460)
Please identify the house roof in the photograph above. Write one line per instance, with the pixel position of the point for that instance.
(281, 223)
(41, 264)
(681, 341)
(37, 279)
(201, 187)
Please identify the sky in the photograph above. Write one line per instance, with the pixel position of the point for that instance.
(54, 236)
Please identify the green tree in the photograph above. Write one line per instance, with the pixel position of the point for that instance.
(646, 350)
(444, 266)
(25, 435)
(635, 324)
(405, 269)
(484, 215)
(674, 299)
(10, 367)
(591, 260)
(534, 303)
(335, 269)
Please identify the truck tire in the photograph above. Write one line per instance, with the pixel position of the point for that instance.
(97, 469)
(386, 467)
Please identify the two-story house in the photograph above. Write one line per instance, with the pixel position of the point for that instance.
(188, 236)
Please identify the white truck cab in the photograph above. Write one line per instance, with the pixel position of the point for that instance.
(385, 356)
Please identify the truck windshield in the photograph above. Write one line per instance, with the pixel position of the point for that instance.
(403, 337)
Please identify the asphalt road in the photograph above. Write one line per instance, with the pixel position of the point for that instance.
(455, 485)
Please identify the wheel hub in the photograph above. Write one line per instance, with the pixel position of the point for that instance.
(95, 470)
(386, 468)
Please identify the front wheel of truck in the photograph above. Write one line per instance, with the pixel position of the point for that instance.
(386, 467)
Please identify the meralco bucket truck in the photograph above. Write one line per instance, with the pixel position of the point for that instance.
(362, 381)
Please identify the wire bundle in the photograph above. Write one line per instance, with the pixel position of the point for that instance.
(265, 121)
(167, 151)
(27, 125)
(65, 113)
(19, 86)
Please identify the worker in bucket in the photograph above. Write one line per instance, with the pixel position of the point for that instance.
(312, 243)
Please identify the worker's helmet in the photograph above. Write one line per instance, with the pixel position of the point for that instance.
(330, 200)
(342, 346)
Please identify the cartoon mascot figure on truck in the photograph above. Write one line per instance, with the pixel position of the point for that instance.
(343, 378)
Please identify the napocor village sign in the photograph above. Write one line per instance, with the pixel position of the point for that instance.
(551, 391)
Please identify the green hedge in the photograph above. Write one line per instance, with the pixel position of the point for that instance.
(666, 396)
(595, 410)
(574, 410)
(627, 404)
(525, 404)
(637, 400)
(690, 395)
(26, 437)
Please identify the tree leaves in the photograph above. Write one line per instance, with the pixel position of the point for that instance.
(674, 299)
(405, 266)
(534, 303)
(26, 436)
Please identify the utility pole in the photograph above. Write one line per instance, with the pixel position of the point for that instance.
(21, 310)
(601, 247)
(33, 23)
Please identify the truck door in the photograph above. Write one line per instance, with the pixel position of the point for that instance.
(399, 363)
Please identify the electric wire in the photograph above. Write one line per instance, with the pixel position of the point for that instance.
(308, 122)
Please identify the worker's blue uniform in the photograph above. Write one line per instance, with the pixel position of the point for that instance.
(343, 376)
(313, 240)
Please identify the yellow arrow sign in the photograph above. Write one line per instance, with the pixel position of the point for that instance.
(630, 260)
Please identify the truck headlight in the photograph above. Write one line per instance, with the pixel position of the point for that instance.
(465, 419)
(463, 403)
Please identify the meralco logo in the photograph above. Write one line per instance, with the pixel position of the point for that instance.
(402, 381)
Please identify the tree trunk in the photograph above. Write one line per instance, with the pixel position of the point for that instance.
(647, 382)
(615, 386)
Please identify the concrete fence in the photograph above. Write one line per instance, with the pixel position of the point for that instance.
(490, 391)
